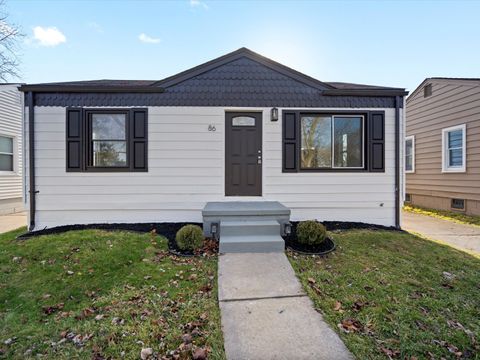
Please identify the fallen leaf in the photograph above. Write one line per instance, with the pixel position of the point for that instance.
(200, 354)
(146, 353)
(390, 352)
(350, 325)
(338, 306)
(53, 308)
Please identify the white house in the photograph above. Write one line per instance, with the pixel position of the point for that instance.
(11, 109)
(238, 128)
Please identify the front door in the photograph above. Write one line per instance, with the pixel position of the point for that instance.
(243, 154)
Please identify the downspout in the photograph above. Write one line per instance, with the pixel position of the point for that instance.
(397, 161)
(31, 157)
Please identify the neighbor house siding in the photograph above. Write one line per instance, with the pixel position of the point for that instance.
(11, 107)
(186, 170)
(453, 102)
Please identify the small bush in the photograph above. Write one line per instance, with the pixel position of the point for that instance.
(189, 237)
(311, 233)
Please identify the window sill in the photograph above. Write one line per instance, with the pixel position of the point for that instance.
(446, 171)
(8, 173)
(409, 171)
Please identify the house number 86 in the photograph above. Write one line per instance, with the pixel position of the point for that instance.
(212, 128)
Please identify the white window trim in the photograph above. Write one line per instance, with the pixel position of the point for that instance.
(14, 155)
(445, 153)
(412, 137)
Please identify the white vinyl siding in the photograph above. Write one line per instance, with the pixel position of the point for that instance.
(186, 170)
(11, 107)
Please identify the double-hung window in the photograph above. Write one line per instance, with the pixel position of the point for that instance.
(410, 154)
(454, 149)
(106, 140)
(7, 156)
(332, 142)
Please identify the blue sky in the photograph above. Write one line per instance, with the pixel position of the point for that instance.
(391, 43)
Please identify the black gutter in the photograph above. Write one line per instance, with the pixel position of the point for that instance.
(31, 157)
(92, 89)
(398, 104)
(365, 92)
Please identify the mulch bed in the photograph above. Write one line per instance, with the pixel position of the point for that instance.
(328, 245)
(168, 230)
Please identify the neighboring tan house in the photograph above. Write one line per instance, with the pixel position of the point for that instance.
(442, 146)
(11, 110)
(240, 131)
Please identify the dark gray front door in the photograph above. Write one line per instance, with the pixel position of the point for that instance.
(243, 154)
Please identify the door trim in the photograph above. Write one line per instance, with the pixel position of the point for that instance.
(228, 115)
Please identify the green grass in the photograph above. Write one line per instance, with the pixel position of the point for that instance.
(148, 298)
(393, 289)
(457, 217)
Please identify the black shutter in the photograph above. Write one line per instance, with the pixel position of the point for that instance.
(74, 137)
(289, 142)
(138, 140)
(376, 141)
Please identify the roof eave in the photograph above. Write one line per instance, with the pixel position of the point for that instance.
(92, 89)
(365, 92)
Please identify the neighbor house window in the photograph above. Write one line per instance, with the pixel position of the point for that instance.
(108, 140)
(458, 204)
(410, 154)
(334, 141)
(454, 149)
(6, 153)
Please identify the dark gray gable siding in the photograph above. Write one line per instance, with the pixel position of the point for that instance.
(242, 82)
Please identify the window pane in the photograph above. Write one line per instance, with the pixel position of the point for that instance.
(316, 142)
(6, 145)
(347, 141)
(243, 121)
(109, 153)
(455, 157)
(6, 162)
(108, 127)
(455, 139)
(408, 155)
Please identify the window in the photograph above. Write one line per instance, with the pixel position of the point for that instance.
(332, 141)
(453, 149)
(408, 198)
(427, 90)
(458, 204)
(6, 153)
(410, 154)
(243, 121)
(106, 140)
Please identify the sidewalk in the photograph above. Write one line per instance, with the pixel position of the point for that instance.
(266, 314)
(460, 236)
(12, 221)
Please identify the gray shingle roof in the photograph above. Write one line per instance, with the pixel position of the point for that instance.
(241, 78)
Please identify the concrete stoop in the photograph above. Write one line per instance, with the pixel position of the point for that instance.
(267, 315)
(247, 226)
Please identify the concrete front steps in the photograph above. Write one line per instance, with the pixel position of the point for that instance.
(247, 227)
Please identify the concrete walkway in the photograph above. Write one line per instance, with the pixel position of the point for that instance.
(266, 314)
(460, 236)
(12, 221)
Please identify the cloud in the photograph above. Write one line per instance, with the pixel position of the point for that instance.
(95, 26)
(198, 3)
(147, 39)
(48, 36)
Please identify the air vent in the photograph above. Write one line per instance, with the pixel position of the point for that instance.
(408, 198)
(427, 90)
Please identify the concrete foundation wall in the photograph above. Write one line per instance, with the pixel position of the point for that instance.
(10, 206)
(472, 207)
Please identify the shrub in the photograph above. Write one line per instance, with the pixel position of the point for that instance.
(189, 237)
(311, 232)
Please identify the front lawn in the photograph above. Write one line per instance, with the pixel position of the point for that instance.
(95, 294)
(393, 295)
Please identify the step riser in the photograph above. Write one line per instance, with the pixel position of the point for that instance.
(251, 247)
(207, 221)
(249, 230)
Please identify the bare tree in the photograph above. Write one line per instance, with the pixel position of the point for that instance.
(10, 35)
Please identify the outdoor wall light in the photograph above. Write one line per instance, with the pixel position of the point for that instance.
(287, 228)
(274, 114)
(214, 229)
